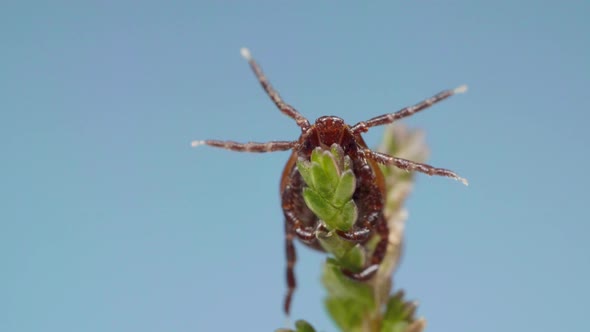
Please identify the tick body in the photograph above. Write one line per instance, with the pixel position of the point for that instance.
(369, 193)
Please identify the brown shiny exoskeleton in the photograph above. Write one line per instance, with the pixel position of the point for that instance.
(369, 195)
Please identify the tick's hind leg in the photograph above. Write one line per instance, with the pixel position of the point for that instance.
(356, 235)
(361, 233)
(296, 212)
(409, 165)
(294, 227)
(291, 259)
(378, 254)
(248, 147)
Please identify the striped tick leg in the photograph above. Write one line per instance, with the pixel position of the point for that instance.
(294, 227)
(287, 109)
(409, 165)
(378, 254)
(248, 147)
(305, 234)
(291, 259)
(364, 126)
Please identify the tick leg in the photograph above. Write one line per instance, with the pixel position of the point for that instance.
(371, 203)
(287, 109)
(356, 235)
(291, 259)
(248, 147)
(304, 233)
(377, 256)
(293, 227)
(290, 205)
(364, 126)
(409, 165)
(360, 234)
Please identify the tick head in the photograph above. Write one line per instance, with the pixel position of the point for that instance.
(330, 129)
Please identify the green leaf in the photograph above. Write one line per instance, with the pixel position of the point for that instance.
(304, 168)
(329, 163)
(340, 286)
(327, 179)
(398, 313)
(334, 244)
(318, 205)
(324, 182)
(354, 259)
(394, 327)
(344, 218)
(345, 188)
(338, 155)
(347, 217)
(349, 302)
(347, 313)
(303, 326)
(347, 254)
(300, 326)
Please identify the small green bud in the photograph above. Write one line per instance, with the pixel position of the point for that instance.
(303, 326)
(330, 186)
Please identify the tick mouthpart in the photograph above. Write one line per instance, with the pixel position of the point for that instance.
(329, 122)
(330, 129)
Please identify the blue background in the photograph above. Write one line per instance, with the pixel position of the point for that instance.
(109, 221)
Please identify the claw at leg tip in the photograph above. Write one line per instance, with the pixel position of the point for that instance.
(194, 144)
(287, 319)
(464, 181)
(246, 53)
(461, 89)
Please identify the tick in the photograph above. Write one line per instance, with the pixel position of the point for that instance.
(369, 193)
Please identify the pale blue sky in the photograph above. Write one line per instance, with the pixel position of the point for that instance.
(111, 222)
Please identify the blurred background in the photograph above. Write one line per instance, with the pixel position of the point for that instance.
(110, 221)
